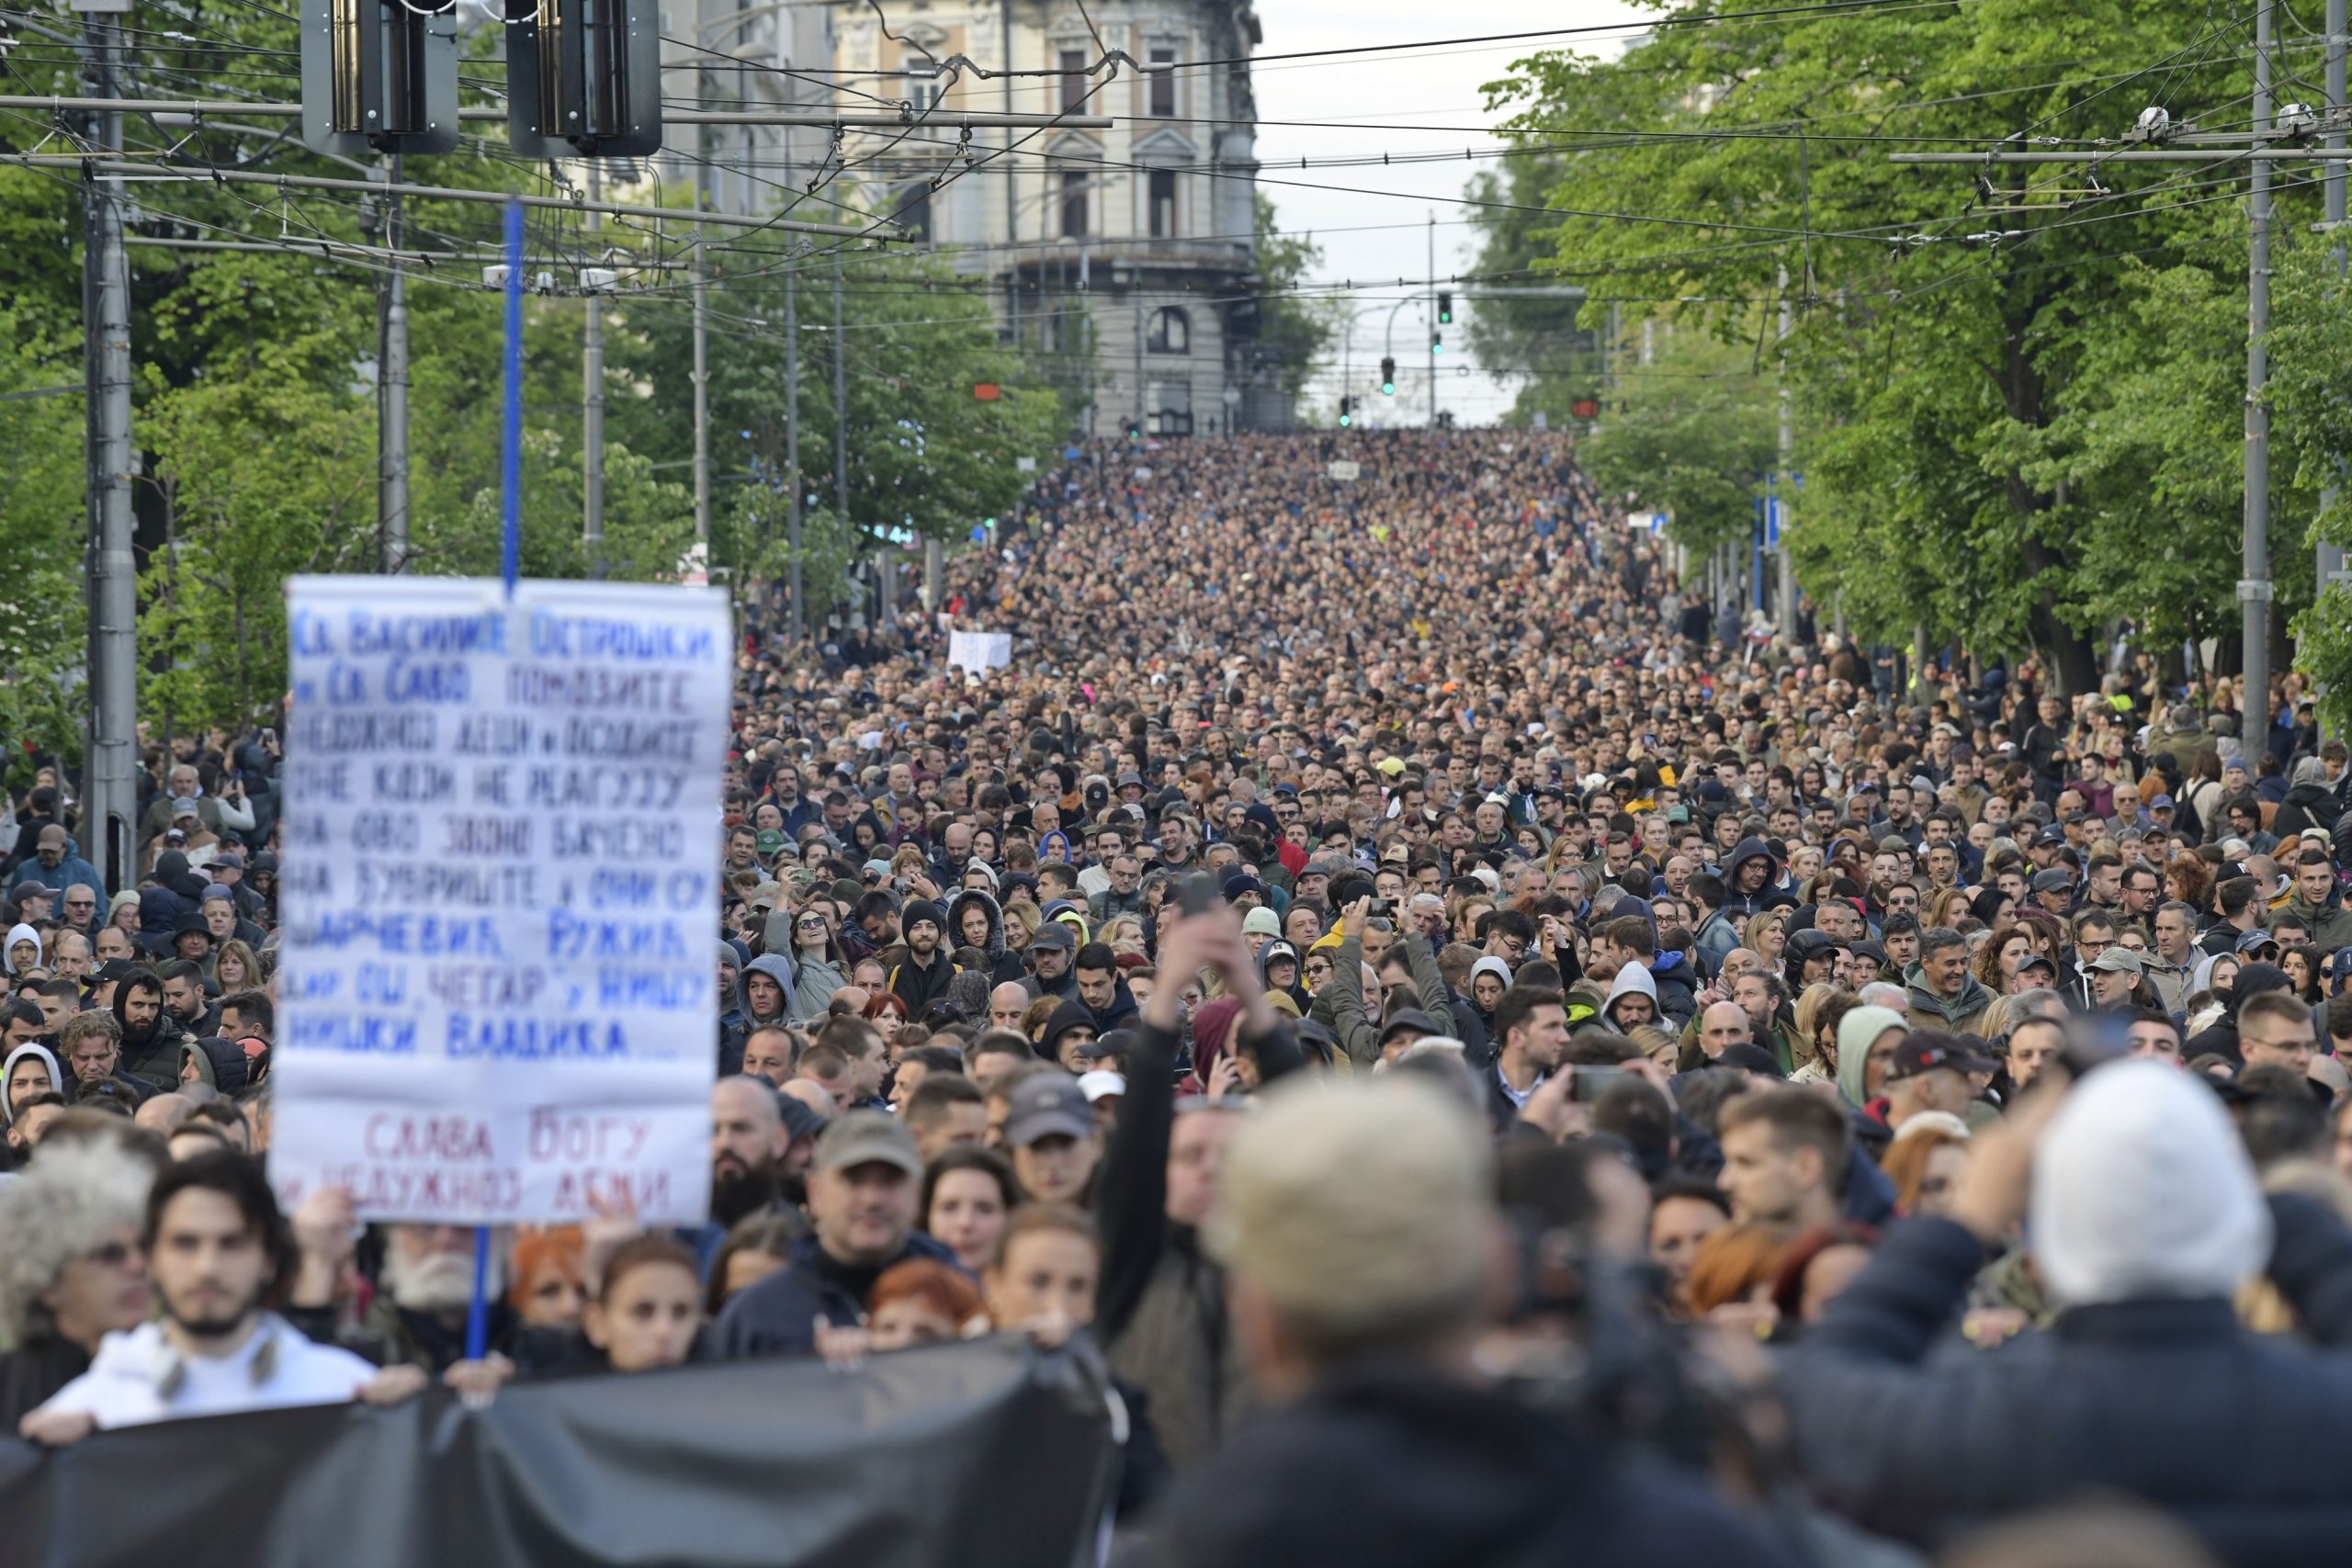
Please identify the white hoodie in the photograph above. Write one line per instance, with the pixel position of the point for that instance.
(137, 1376)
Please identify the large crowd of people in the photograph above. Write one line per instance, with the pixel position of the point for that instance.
(1505, 1058)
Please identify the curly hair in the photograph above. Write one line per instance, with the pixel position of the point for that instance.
(65, 1204)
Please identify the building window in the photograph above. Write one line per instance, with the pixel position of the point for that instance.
(913, 210)
(1168, 409)
(1164, 204)
(1170, 333)
(1074, 81)
(1164, 85)
(1073, 204)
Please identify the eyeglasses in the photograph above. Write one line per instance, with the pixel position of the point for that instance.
(113, 1255)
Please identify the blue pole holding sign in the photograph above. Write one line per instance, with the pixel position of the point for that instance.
(511, 561)
(512, 453)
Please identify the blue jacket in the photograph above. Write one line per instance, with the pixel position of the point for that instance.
(68, 871)
(779, 1315)
(2237, 1434)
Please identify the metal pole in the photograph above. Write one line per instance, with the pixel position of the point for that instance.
(2255, 587)
(702, 371)
(1432, 299)
(841, 405)
(109, 795)
(1139, 403)
(391, 393)
(702, 411)
(2331, 556)
(1786, 586)
(592, 411)
(799, 620)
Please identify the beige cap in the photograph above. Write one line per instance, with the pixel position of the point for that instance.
(1358, 1209)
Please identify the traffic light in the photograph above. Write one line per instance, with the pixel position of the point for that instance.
(1388, 375)
(379, 76)
(583, 78)
(1445, 306)
(1347, 405)
(1437, 343)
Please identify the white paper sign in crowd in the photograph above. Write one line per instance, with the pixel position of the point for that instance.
(500, 837)
(974, 651)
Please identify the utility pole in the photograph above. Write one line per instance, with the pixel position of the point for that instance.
(592, 411)
(2331, 557)
(702, 376)
(1432, 232)
(799, 620)
(2255, 586)
(109, 795)
(702, 410)
(841, 404)
(1786, 588)
(391, 391)
(1138, 404)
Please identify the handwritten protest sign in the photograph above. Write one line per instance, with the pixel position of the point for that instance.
(500, 831)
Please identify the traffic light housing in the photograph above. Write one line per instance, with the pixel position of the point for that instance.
(1445, 306)
(1437, 343)
(1347, 405)
(583, 78)
(379, 76)
(1388, 375)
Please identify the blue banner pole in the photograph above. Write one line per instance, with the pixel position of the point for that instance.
(512, 453)
(511, 563)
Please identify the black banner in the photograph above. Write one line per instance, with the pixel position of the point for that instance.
(986, 1452)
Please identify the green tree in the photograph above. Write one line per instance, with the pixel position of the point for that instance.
(1294, 329)
(1978, 422)
(1689, 434)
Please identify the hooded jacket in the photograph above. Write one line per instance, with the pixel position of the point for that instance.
(220, 1063)
(2329, 923)
(21, 932)
(776, 969)
(1965, 1014)
(2309, 802)
(1735, 899)
(1677, 993)
(152, 1058)
(1070, 1014)
(1632, 980)
(1004, 966)
(9, 1070)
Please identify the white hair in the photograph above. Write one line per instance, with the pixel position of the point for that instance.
(73, 1196)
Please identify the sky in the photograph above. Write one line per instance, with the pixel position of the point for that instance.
(1387, 236)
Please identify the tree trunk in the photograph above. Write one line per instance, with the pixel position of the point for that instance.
(2071, 659)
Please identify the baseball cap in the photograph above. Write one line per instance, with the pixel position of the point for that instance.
(1100, 1084)
(771, 839)
(1053, 934)
(2249, 941)
(1044, 1105)
(184, 805)
(2161, 803)
(2057, 879)
(800, 1118)
(2117, 961)
(218, 891)
(867, 1137)
(29, 888)
(2038, 961)
(2054, 837)
(1925, 1052)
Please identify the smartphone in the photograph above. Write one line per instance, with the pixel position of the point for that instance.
(1381, 908)
(1196, 894)
(1590, 1083)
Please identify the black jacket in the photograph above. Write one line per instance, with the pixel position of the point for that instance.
(2171, 1402)
(779, 1315)
(1395, 1468)
(32, 1373)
